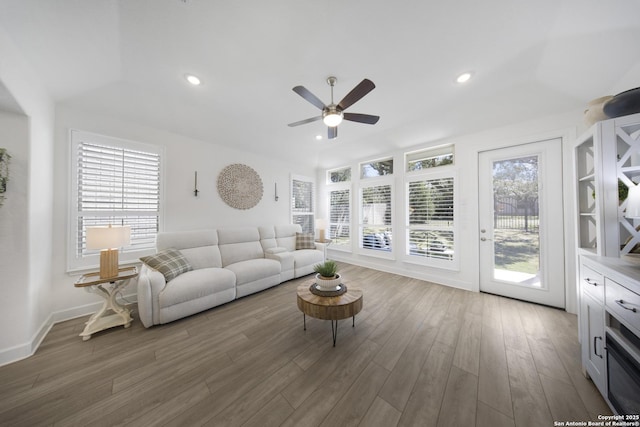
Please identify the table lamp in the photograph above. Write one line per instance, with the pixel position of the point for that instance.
(108, 240)
(321, 225)
(633, 202)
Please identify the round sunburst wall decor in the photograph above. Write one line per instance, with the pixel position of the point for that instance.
(240, 186)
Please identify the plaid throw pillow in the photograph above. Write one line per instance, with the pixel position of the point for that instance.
(170, 262)
(304, 241)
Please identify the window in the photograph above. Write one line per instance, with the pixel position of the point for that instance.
(339, 175)
(114, 182)
(340, 218)
(375, 217)
(302, 203)
(429, 158)
(376, 168)
(430, 214)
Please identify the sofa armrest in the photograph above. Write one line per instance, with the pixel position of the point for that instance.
(322, 247)
(150, 283)
(285, 257)
(276, 250)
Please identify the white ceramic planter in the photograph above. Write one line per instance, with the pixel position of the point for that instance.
(328, 284)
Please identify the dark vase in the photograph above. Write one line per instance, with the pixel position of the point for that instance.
(623, 104)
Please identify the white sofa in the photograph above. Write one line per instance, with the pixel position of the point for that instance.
(224, 264)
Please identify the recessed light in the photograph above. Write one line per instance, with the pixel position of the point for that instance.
(464, 77)
(194, 80)
(318, 137)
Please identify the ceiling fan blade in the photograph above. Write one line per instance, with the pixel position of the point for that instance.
(305, 121)
(356, 94)
(333, 132)
(304, 92)
(361, 118)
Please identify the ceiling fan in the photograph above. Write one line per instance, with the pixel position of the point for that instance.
(333, 114)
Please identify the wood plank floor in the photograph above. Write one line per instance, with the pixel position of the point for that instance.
(420, 355)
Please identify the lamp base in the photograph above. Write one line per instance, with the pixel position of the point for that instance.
(108, 263)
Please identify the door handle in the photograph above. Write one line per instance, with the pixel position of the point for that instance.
(621, 303)
(595, 339)
(484, 239)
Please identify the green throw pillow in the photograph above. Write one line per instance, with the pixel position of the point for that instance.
(305, 241)
(170, 262)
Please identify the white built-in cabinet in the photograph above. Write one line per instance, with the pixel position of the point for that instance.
(592, 324)
(607, 157)
(607, 162)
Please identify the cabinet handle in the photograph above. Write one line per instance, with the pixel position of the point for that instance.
(621, 303)
(591, 282)
(595, 339)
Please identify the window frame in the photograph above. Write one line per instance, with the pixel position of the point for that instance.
(341, 186)
(330, 171)
(379, 181)
(75, 262)
(361, 165)
(429, 153)
(312, 212)
(441, 172)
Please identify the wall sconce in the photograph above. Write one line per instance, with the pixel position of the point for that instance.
(4, 172)
(108, 240)
(633, 202)
(321, 225)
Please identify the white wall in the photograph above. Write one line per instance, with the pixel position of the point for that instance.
(467, 149)
(182, 211)
(14, 232)
(27, 277)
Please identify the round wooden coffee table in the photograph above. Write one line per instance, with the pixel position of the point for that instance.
(329, 308)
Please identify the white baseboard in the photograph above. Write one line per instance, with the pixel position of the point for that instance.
(22, 351)
(380, 266)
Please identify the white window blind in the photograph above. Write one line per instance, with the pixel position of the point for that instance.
(431, 218)
(340, 217)
(115, 184)
(302, 203)
(375, 217)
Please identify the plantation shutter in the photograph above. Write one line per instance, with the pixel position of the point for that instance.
(117, 186)
(302, 204)
(431, 221)
(375, 217)
(340, 217)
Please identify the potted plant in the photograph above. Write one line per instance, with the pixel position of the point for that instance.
(327, 277)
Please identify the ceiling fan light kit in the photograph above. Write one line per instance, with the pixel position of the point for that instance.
(333, 114)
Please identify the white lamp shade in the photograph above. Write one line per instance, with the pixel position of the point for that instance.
(332, 119)
(321, 224)
(633, 202)
(108, 237)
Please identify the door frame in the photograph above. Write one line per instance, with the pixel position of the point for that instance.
(504, 140)
(550, 232)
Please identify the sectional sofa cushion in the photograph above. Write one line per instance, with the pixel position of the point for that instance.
(254, 269)
(170, 262)
(239, 244)
(199, 247)
(196, 284)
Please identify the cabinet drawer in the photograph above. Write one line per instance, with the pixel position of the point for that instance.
(592, 282)
(624, 303)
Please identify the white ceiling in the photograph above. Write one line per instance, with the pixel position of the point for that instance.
(127, 59)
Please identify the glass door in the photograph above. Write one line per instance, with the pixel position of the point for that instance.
(521, 222)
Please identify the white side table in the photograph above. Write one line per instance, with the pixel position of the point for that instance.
(324, 244)
(112, 312)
